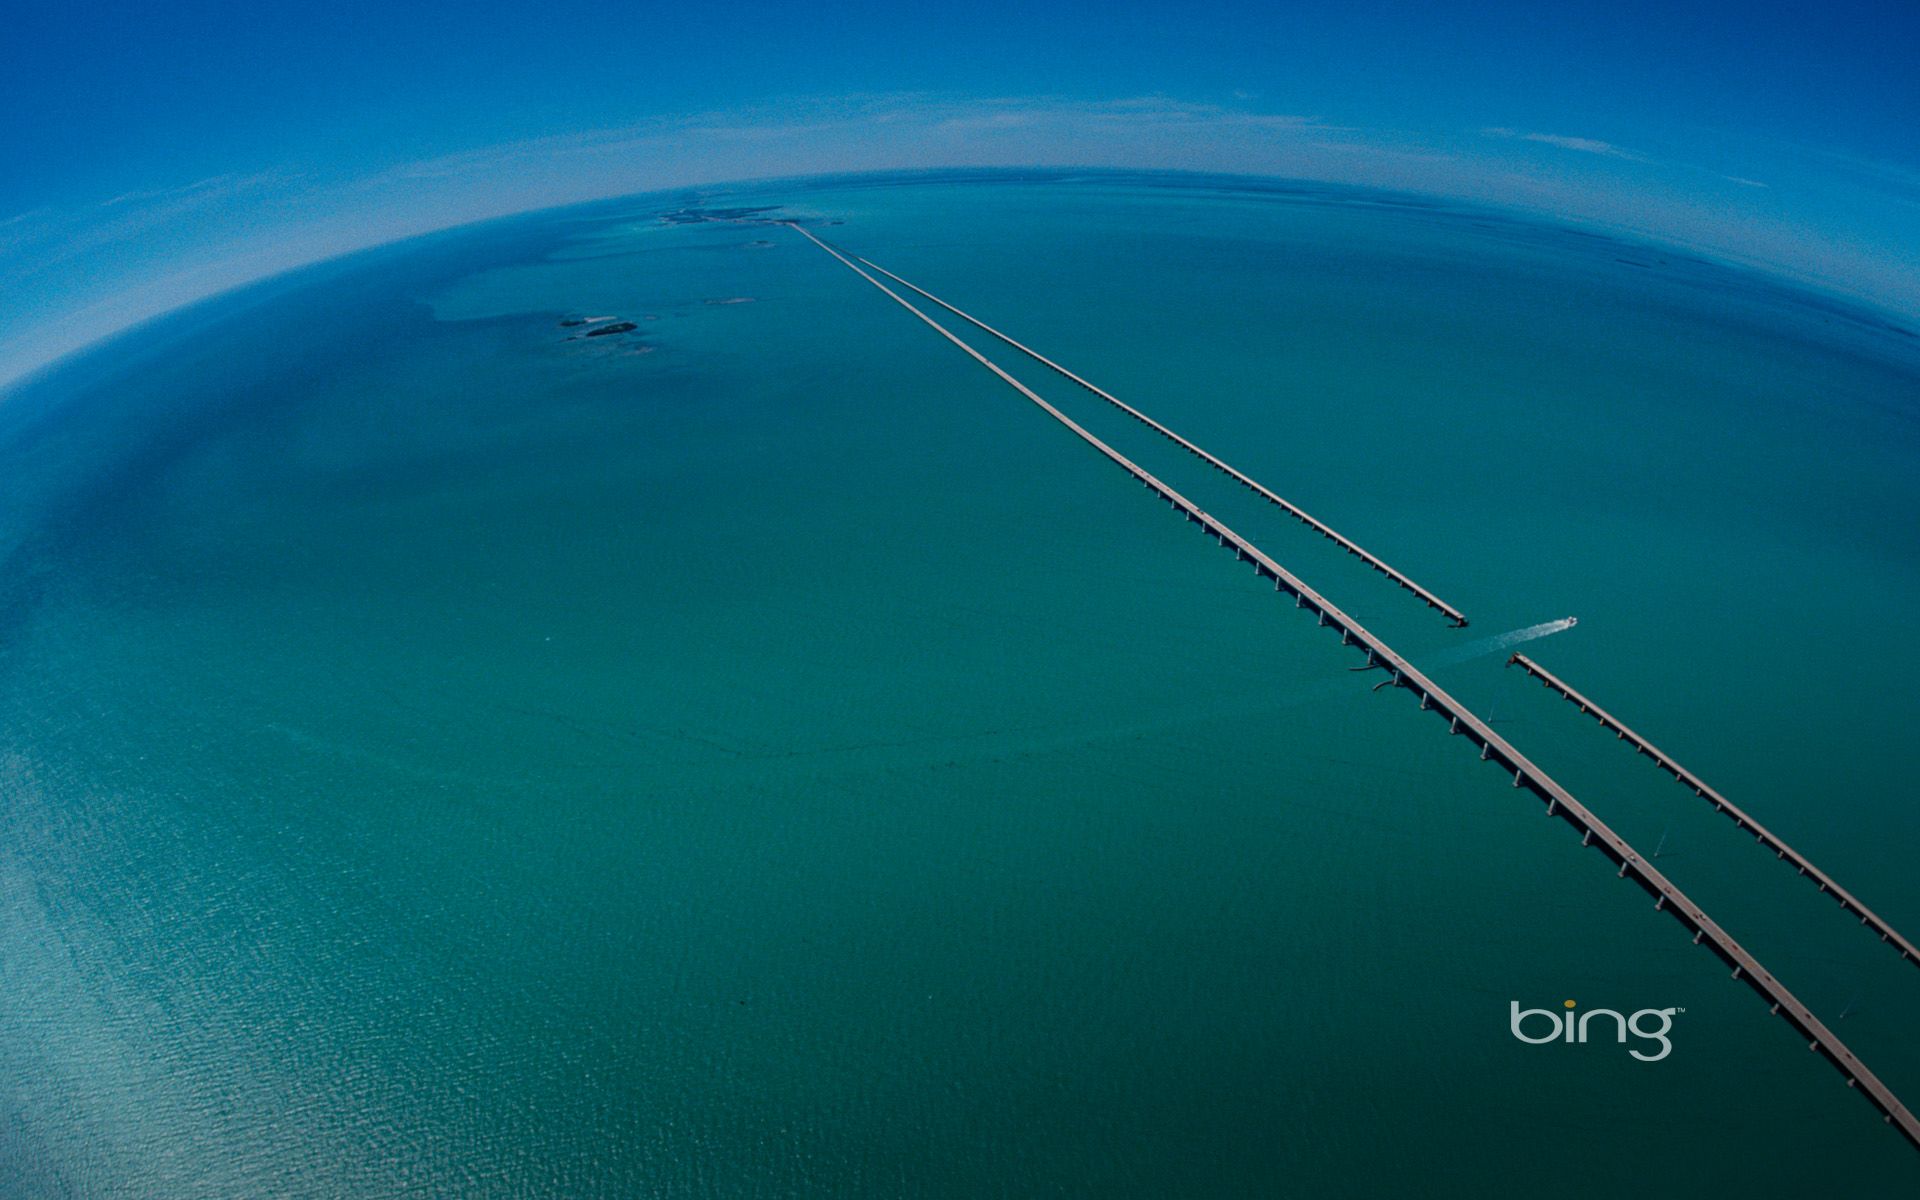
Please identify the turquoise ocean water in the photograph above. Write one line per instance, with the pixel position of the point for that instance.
(759, 754)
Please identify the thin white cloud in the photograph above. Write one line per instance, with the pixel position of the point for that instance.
(1583, 145)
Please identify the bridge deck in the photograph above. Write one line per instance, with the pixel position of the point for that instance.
(1247, 481)
(1493, 747)
(1721, 804)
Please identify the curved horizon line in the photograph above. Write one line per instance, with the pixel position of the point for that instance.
(1866, 310)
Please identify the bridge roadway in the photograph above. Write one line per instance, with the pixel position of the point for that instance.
(1462, 722)
(1721, 804)
(1372, 560)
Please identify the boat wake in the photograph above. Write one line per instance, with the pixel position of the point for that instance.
(1502, 641)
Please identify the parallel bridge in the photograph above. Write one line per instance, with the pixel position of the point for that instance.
(1462, 722)
(1262, 490)
(1721, 804)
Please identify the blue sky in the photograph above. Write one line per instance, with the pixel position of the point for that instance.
(154, 153)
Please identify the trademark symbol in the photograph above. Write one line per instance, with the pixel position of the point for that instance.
(1679, 1010)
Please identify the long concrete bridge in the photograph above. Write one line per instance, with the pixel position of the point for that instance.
(1268, 494)
(1728, 808)
(1493, 748)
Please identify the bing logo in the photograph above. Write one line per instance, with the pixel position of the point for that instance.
(1651, 1025)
